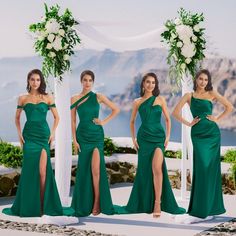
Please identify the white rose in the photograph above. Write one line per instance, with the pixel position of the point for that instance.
(177, 21)
(184, 32)
(188, 50)
(66, 57)
(196, 28)
(183, 66)
(52, 26)
(49, 46)
(51, 37)
(41, 35)
(57, 43)
(41, 38)
(179, 44)
(61, 32)
(194, 38)
(52, 54)
(66, 46)
(188, 60)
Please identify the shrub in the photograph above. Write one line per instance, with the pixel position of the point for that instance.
(173, 154)
(230, 156)
(109, 147)
(10, 155)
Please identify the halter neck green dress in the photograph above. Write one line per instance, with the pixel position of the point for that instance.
(206, 192)
(150, 136)
(36, 133)
(89, 136)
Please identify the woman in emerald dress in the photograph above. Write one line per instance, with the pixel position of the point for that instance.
(91, 191)
(206, 198)
(37, 191)
(151, 192)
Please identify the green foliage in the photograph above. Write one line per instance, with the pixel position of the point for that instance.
(10, 155)
(109, 147)
(190, 35)
(233, 172)
(173, 154)
(230, 156)
(56, 51)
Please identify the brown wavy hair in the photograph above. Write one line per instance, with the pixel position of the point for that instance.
(42, 87)
(156, 90)
(87, 72)
(209, 86)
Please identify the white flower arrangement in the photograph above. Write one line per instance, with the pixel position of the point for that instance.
(185, 38)
(55, 40)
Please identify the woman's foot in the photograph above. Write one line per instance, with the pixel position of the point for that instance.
(157, 209)
(96, 209)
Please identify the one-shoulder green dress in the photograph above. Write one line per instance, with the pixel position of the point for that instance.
(151, 135)
(36, 134)
(206, 192)
(89, 136)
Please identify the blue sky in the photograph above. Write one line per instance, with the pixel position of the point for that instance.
(117, 18)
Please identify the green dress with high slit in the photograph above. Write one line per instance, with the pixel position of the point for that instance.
(89, 136)
(206, 192)
(151, 135)
(36, 134)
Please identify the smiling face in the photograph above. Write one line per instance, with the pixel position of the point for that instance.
(34, 81)
(202, 81)
(149, 84)
(87, 82)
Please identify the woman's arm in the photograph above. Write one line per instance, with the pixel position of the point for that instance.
(178, 108)
(132, 124)
(114, 110)
(167, 120)
(73, 125)
(227, 105)
(56, 119)
(17, 120)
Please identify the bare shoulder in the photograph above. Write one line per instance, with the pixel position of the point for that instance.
(100, 96)
(214, 93)
(137, 101)
(75, 97)
(49, 98)
(188, 95)
(161, 99)
(22, 98)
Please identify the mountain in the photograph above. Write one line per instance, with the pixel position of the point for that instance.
(117, 76)
(223, 72)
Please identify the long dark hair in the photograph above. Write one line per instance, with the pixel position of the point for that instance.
(87, 72)
(209, 86)
(42, 87)
(156, 90)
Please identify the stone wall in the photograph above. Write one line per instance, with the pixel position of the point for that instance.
(118, 172)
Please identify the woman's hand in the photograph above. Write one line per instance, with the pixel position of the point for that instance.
(136, 146)
(51, 138)
(22, 141)
(97, 121)
(76, 147)
(194, 121)
(166, 142)
(212, 118)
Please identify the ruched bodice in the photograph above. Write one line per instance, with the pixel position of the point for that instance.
(90, 136)
(201, 107)
(151, 136)
(206, 193)
(36, 112)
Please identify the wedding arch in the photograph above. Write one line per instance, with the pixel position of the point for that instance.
(55, 38)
